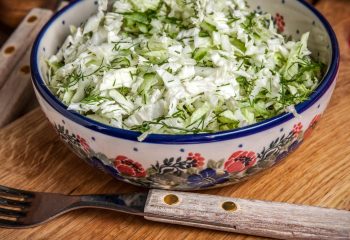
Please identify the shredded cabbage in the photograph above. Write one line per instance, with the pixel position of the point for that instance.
(181, 66)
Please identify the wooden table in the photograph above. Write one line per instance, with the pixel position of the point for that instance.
(33, 158)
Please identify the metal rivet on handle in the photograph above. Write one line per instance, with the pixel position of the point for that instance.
(229, 206)
(171, 199)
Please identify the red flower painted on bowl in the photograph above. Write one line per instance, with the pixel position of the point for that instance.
(198, 160)
(240, 161)
(83, 143)
(312, 126)
(280, 24)
(129, 167)
(297, 129)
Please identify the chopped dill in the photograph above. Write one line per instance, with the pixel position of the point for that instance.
(182, 67)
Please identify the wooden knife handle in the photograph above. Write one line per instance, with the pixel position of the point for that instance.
(260, 218)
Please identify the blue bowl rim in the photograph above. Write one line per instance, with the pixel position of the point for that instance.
(183, 138)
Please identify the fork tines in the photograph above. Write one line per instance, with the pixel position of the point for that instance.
(15, 192)
(13, 205)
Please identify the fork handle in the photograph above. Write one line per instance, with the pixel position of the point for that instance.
(260, 218)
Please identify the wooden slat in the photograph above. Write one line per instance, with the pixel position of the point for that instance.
(12, 12)
(27, 102)
(62, 5)
(21, 41)
(16, 90)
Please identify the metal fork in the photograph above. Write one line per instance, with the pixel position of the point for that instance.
(23, 209)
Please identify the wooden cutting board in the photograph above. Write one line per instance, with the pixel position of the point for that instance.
(32, 157)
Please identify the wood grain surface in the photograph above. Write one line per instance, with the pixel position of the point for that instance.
(32, 157)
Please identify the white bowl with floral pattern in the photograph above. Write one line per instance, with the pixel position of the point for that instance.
(189, 162)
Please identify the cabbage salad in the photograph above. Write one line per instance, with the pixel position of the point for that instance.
(181, 67)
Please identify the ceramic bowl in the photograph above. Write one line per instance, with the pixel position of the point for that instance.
(189, 162)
